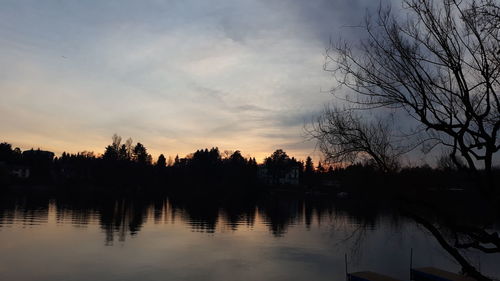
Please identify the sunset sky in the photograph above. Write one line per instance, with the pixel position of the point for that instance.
(175, 75)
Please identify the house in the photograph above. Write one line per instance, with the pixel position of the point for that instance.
(285, 176)
(19, 171)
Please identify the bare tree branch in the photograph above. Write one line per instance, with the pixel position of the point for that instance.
(343, 137)
(441, 66)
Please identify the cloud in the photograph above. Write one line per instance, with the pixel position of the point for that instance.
(175, 75)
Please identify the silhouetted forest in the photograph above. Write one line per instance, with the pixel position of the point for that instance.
(126, 167)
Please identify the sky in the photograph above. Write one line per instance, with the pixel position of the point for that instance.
(176, 76)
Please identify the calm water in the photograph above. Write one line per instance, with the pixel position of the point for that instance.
(160, 238)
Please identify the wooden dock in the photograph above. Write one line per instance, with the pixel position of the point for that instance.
(369, 276)
(435, 274)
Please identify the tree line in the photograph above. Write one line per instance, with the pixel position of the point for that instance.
(210, 170)
(129, 164)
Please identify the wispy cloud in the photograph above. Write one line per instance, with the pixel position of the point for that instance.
(175, 75)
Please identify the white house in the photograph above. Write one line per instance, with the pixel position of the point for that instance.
(289, 177)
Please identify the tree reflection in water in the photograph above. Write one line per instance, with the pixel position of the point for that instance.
(124, 216)
(127, 214)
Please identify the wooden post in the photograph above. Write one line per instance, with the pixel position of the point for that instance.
(411, 262)
(346, 274)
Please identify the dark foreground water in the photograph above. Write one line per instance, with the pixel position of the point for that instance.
(159, 238)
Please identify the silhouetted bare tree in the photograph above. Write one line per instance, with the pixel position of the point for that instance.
(440, 66)
(344, 137)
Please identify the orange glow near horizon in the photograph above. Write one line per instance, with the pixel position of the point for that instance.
(247, 151)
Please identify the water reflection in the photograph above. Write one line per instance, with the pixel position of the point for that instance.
(119, 217)
(283, 237)
(23, 210)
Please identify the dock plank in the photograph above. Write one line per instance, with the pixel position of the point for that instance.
(369, 276)
(436, 274)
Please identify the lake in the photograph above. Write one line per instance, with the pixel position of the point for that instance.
(272, 237)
